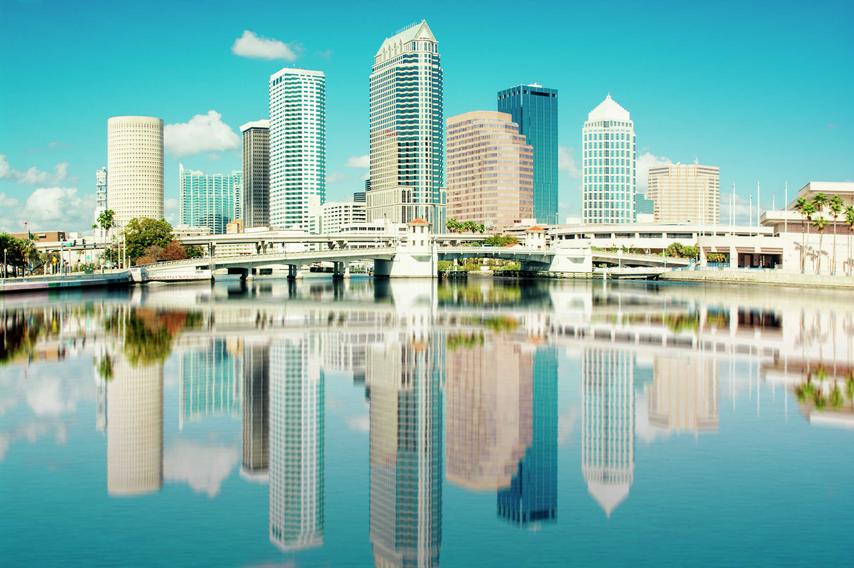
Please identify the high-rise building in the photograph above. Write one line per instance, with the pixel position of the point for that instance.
(135, 164)
(256, 173)
(534, 108)
(134, 428)
(256, 410)
(100, 191)
(406, 129)
(404, 377)
(609, 165)
(685, 193)
(210, 381)
(296, 449)
(490, 170)
(683, 396)
(209, 200)
(532, 494)
(488, 403)
(608, 425)
(297, 148)
(336, 215)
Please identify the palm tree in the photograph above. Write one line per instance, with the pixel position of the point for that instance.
(820, 224)
(801, 206)
(835, 206)
(809, 211)
(849, 220)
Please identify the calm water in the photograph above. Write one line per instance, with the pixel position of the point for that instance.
(411, 424)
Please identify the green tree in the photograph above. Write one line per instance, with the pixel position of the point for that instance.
(500, 241)
(194, 251)
(849, 220)
(836, 206)
(820, 225)
(143, 233)
(106, 220)
(802, 206)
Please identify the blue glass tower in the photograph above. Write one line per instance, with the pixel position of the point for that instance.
(534, 109)
(532, 495)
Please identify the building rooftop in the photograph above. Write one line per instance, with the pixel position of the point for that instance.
(416, 31)
(263, 123)
(608, 109)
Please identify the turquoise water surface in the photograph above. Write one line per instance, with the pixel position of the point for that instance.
(401, 423)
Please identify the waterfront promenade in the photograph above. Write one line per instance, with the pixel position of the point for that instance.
(759, 277)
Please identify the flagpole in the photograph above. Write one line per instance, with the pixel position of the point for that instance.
(785, 209)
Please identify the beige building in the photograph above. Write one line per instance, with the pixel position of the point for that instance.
(684, 394)
(135, 163)
(488, 422)
(490, 170)
(685, 193)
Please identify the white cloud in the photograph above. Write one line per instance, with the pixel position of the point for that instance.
(360, 423)
(335, 177)
(646, 161)
(359, 162)
(256, 47)
(566, 162)
(740, 209)
(202, 133)
(32, 175)
(203, 468)
(58, 207)
(170, 210)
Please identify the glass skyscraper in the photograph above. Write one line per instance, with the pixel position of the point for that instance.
(609, 165)
(209, 200)
(534, 108)
(297, 148)
(532, 495)
(406, 129)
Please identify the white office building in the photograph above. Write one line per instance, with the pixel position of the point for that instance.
(685, 193)
(135, 163)
(609, 168)
(338, 214)
(406, 174)
(297, 148)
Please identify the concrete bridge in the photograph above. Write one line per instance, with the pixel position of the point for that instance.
(413, 253)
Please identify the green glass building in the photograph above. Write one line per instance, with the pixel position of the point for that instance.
(209, 200)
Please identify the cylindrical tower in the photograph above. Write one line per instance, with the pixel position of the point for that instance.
(135, 163)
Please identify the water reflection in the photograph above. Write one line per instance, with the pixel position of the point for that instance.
(462, 383)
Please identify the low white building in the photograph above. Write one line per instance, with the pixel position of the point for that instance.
(334, 215)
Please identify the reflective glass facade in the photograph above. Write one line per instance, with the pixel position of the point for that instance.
(209, 200)
(534, 109)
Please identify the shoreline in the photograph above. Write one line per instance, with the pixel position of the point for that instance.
(768, 278)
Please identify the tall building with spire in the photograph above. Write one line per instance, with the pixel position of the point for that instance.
(609, 165)
(534, 108)
(406, 129)
(297, 148)
(608, 425)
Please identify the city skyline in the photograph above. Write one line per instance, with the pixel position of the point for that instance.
(46, 167)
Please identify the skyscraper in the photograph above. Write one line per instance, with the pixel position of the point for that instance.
(256, 173)
(534, 108)
(532, 495)
(608, 170)
(135, 163)
(297, 148)
(296, 444)
(685, 193)
(490, 170)
(608, 425)
(100, 192)
(209, 200)
(134, 428)
(406, 129)
(404, 375)
(256, 410)
(210, 381)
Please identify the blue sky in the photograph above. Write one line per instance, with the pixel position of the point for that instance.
(763, 90)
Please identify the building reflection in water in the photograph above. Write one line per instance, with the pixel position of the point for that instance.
(296, 451)
(210, 380)
(683, 396)
(489, 414)
(134, 401)
(404, 381)
(256, 410)
(532, 494)
(608, 425)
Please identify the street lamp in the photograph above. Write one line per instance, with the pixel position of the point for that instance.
(4, 262)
